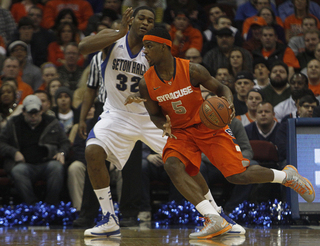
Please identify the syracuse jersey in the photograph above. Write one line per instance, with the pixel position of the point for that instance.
(177, 97)
(122, 71)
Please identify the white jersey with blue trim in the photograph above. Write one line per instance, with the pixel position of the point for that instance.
(122, 72)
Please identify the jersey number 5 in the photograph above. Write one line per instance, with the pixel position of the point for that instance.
(122, 86)
(178, 108)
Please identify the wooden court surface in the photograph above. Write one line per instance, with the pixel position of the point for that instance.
(148, 235)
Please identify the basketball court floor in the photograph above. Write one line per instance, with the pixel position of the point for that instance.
(147, 234)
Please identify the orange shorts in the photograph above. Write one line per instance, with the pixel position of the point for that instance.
(217, 145)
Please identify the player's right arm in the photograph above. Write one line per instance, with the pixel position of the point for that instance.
(106, 37)
(154, 110)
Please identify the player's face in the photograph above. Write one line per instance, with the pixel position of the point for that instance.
(254, 98)
(152, 52)
(143, 22)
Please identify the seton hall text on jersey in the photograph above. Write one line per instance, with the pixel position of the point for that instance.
(128, 66)
(175, 94)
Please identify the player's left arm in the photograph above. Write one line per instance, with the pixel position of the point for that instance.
(161, 121)
(199, 75)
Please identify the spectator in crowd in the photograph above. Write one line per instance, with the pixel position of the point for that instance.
(250, 9)
(313, 73)
(70, 73)
(34, 146)
(78, 94)
(157, 5)
(52, 87)
(30, 73)
(13, 82)
(269, 17)
(305, 108)
(66, 15)
(254, 42)
(82, 10)
(153, 170)
(223, 75)
(209, 35)
(21, 9)
(49, 72)
(278, 90)
(198, 17)
(298, 82)
(254, 97)
(218, 56)
(11, 70)
(106, 17)
(261, 73)
(272, 50)
(45, 100)
(114, 5)
(296, 43)
(193, 55)
(243, 84)
(7, 25)
(183, 35)
(265, 127)
(65, 113)
(77, 168)
(237, 62)
(225, 21)
(25, 34)
(66, 33)
(8, 105)
(311, 39)
(293, 23)
(287, 8)
(41, 37)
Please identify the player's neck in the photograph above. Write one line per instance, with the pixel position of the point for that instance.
(165, 68)
(135, 43)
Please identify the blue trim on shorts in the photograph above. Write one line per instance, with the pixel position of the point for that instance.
(91, 133)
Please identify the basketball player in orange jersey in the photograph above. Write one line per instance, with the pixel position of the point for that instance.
(171, 94)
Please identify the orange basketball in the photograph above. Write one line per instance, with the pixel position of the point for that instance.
(215, 113)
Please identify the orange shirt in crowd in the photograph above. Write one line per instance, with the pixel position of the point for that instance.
(55, 53)
(81, 8)
(247, 24)
(23, 89)
(192, 38)
(294, 24)
(289, 57)
(315, 89)
(18, 10)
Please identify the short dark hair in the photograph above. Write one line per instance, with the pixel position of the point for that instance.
(279, 63)
(297, 94)
(159, 32)
(135, 12)
(308, 99)
(25, 21)
(43, 92)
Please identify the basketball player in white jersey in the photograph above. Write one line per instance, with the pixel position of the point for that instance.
(114, 135)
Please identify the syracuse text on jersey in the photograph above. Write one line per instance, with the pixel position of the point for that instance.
(176, 94)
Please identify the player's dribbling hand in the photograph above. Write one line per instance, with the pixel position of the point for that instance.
(167, 128)
(231, 108)
(134, 99)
